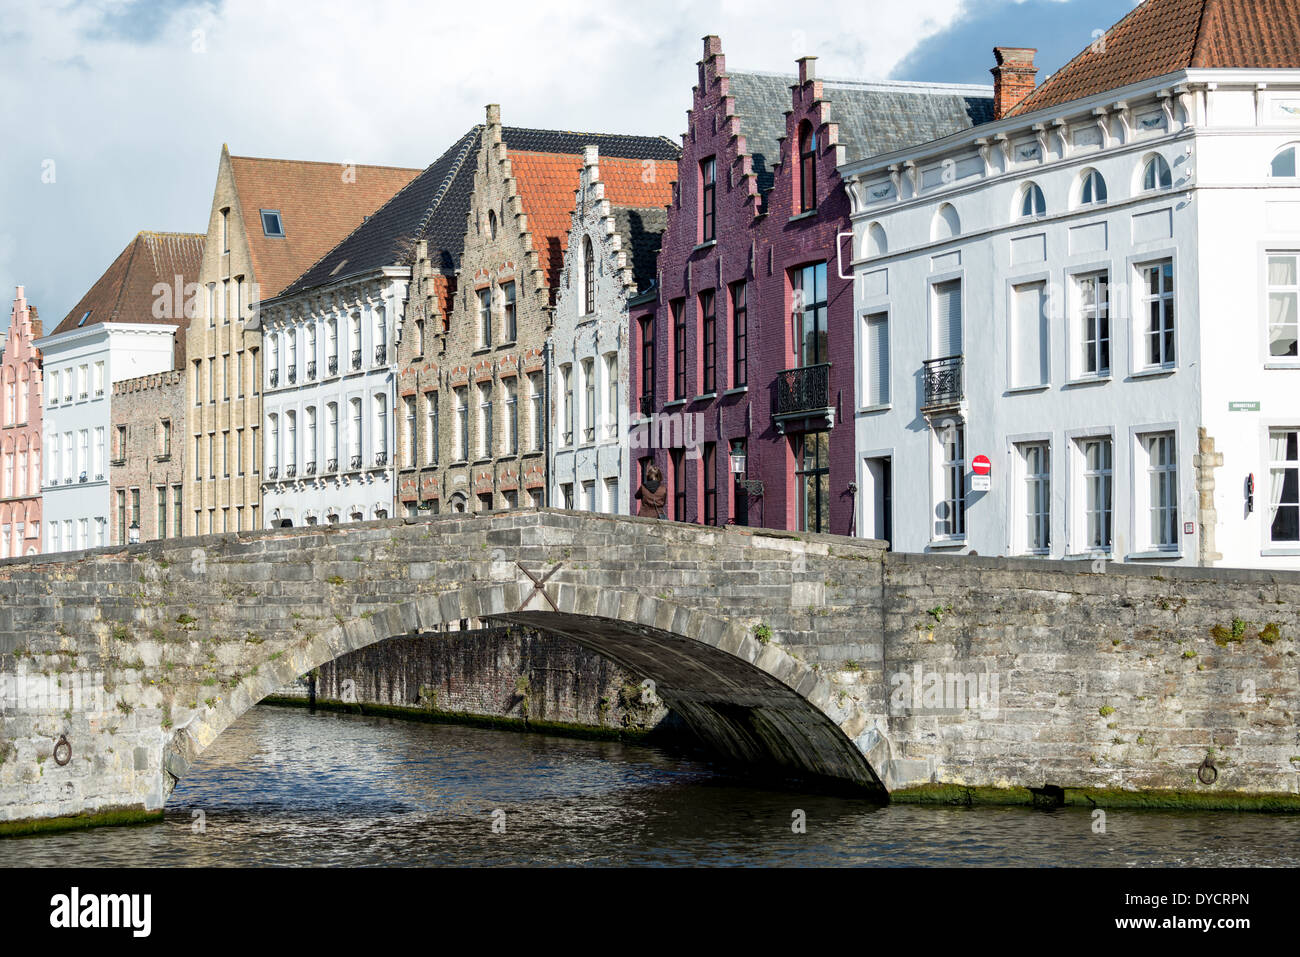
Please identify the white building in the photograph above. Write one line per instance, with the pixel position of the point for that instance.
(1098, 292)
(328, 398)
(123, 327)
(609, 257)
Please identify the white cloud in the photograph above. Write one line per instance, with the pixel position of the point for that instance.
(133, 105)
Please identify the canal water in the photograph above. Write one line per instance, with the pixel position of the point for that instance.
(286, 787)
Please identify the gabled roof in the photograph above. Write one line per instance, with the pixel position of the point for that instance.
(642, 232)
(1167, 36)
(318, 204)
(124, 293)
(873, 117)
(546, 175)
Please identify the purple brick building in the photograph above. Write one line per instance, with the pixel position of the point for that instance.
(752, 330)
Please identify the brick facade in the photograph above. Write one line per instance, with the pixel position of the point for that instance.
(21, 386)
(147, 457)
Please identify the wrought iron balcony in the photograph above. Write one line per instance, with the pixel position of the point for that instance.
(381, 354)
(310, 469)
(333, 365)
(803, 390)
(290, 471)
(356, 358)
(311, 371)
(647, 404)
(273, 472)
(944, 381)
(331, 465)
(275, 378)
(381, 459)
(356, 462)
(293, 374)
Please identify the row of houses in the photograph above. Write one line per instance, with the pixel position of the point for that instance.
(1052, 319)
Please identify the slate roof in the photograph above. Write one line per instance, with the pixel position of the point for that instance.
(435, 204)
(318, 205)
(1167, 36)
(873, 118)
(641, 231)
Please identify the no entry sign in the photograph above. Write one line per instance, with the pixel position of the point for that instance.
(981, 465)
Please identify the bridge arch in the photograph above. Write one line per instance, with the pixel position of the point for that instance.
(751, 701)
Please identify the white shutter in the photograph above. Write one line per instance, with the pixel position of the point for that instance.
(947, 319)
(1029, 335)
(878, 359)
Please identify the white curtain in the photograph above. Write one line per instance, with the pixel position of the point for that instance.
(1276, 453)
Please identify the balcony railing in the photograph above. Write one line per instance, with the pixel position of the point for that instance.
(333, 365)
(293, 374)
(311, 371)
(290, 471)
(381, 355)
(273, 472)
(356, 358)
(331, 465)
(647, 405)
(356, 462)
(275, 378)
(805, 389)
(944, 383)
(381, 459)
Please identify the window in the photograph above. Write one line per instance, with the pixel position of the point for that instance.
(239, 451)
(739, 335)
(566, 495)
(1092, 298)
(119, 443)
(611, 496)
(408, 434)
(611, 395)
(679, 349)
(1157, 298)
(160, 496)
(54, 387)
(588, 278)
(272, 225)
(291, 444)
(1157, 175)
(1098, 493)
(512, 416)
(807, 167)
(947, 339)
(431, 428)
(512, 325)
(1029, 345)
(566, 398)
(1093, 192)
(99, 378)
(1284, 486)
(739, 494)
(273, 444)
(380, 440)
(121, 517)
(331, 436)
(486, 449)
(461, 449)
(354, 434)
(1162, 490)
(225, 235)
(1032, 202)
(813, 475)
(176, 512)
(709, 465)
(677, 462)
(1036, 497)
(492, 223)
(875, 364)
(1283, 296)
(484, 318)
(589, 497)
(1284, 164)
(536, 397)
(950, 512)
(708, 198)
(810, 315)
(588, 400)
(709, 342)
(354, 322)
(332, 345)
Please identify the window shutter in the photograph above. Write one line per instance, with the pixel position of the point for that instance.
(947, 340)
(1029, 345)
(878, 359)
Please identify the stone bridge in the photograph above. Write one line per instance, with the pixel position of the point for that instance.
(932, 677)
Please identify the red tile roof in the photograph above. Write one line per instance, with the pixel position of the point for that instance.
(318, 204)
(547, 181)
(1165, 36)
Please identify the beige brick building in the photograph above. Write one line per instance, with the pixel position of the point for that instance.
(146, 472)
(270, 220)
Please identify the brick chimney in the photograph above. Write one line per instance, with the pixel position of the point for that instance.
(1013, 77)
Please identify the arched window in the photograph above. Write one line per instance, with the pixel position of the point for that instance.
(947, 224)
(807, 167)
(588, 277)
(875, 243)
(1284, 164)
(1093, 191)
(1156, 174)
(492, 223)
(1032, 202)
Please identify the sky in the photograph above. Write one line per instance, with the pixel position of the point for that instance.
(114, 112)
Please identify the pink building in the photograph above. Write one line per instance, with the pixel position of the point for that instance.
(20, 434)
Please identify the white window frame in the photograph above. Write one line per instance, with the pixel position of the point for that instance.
(866, 361)
(1267, 251)
(1078, 543)
(1139, 319)
(1077, 324)
(1140, 483)
(1263, 491)
(941, 468)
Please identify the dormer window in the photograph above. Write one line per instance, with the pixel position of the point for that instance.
(807, 167)
(272, 225)
(86, 315)
(1032, 202)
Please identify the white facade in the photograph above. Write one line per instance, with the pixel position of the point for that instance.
(80, 367)
(1104, 426)
(328, 421)
(590, 457)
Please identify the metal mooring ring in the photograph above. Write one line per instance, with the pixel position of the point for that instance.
(62, 751)
(1207, 773)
